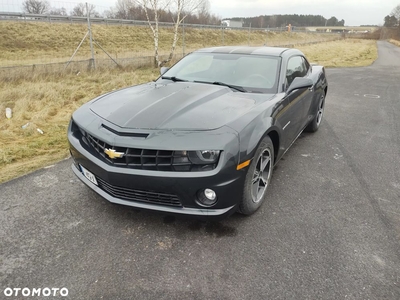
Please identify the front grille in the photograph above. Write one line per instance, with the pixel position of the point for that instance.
(159, 160)
(138, 195)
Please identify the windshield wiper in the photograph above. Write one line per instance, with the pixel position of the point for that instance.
(173, 78)
(235, 87)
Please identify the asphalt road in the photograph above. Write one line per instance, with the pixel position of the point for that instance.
(329, 230)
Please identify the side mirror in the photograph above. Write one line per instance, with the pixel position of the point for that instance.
(163, 70)
(299, 83)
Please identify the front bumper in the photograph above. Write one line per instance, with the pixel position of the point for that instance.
(200, 212)
(225, 180)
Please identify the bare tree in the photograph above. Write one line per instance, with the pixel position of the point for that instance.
(80, 10)
(394, 19)
(260, 20)
(396, 12)
(123, 9)
(181, 9)
(110, 13)
(35, 6)
(204, 12)
(154, 6)
(273, 20)
(58, 11)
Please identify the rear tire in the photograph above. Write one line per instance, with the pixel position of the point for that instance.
(316, 122)
(258, 177)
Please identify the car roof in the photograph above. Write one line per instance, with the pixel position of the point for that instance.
(269, 51)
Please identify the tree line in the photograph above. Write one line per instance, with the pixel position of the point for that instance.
(136, 10)
(284, 20)
(128, 10)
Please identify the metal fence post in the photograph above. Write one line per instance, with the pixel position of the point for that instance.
(222, 35)
(248, 37)
(92, 63)
(183, 38)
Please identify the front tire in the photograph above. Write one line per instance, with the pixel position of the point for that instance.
(316, 122)
(258, 178)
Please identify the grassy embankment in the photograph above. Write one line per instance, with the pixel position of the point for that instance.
(46, 102)
(33, 43)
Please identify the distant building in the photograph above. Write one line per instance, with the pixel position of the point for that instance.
(231, 23)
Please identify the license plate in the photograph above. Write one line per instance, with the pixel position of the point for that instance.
(89, 175)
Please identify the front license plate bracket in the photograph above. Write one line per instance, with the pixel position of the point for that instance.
(89, 175)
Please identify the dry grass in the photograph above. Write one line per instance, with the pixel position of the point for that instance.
(47, 102)
(345, 53)
(39, 42)
(395, 42)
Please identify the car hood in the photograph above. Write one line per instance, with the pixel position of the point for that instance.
(175, 105)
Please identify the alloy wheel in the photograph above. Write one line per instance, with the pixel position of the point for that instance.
(261, 176)
(320, 111)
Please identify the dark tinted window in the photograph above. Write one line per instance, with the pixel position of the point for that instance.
(296, 68)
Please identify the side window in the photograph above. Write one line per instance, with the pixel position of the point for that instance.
(296, 68)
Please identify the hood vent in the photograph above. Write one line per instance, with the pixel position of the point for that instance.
(130, 134)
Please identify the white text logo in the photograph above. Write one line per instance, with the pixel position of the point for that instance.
(27, 292)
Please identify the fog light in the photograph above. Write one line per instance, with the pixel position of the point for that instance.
(210, 194)
(206, 197)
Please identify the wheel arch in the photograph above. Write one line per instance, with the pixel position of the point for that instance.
(254, 137)
(248, 205)
(274, 136)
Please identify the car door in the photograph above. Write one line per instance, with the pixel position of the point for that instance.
(296, 101)
(307, 101)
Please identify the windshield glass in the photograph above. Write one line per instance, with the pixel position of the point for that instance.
(253, 73)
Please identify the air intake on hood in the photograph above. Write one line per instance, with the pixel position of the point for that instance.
(131, 134)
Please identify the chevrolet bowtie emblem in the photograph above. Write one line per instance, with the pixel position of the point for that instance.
(113, 154)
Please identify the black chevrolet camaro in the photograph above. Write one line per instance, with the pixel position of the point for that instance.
(202, 139)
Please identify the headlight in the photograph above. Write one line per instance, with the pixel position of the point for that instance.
(76, 130)
(204, 156)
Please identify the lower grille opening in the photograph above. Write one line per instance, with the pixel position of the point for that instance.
(139, 195)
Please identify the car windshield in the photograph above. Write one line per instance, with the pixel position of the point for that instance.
(242, 72)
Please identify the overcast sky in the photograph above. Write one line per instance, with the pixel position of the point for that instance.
(354, 12)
